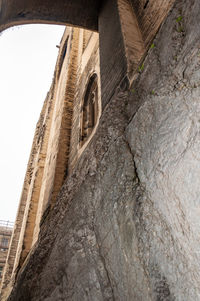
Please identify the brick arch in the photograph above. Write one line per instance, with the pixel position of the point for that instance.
(81, 13)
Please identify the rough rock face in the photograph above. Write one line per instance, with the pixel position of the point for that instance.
(126, 223)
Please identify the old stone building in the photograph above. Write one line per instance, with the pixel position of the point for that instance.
(110, 203)
(68, 121)
(6, 228)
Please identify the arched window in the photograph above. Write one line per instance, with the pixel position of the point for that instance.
(89, 111)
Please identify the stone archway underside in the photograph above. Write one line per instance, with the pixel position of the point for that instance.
(81, 13)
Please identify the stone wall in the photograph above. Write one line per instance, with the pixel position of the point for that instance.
(54, 153)
(125, 225)
(88, 65)
(5, 236)
(26, 224)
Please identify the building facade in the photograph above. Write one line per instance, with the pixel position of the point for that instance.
(6, 228)
(68, 120)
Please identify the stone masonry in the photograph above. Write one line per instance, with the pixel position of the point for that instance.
(6, 229)
(118, 217)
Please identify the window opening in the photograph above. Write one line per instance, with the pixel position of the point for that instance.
(1, 271)
(89, 110)
(4, 242)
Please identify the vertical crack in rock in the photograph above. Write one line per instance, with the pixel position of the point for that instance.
(131, 152)
(103, 262)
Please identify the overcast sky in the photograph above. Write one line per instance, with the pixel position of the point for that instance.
(27, 60)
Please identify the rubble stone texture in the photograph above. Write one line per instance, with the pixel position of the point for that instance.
(126, 222)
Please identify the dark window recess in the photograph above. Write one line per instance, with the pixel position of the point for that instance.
(1, 271)
(89, 112)
(4, 242)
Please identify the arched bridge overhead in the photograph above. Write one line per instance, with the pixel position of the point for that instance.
(81, 13)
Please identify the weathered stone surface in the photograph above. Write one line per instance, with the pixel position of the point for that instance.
(5, 236)
(113, 60)
(126, 226)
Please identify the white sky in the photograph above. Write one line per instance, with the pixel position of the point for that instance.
(27, 59)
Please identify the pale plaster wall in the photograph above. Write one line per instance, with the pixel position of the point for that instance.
(89, 65)
(62, 93)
